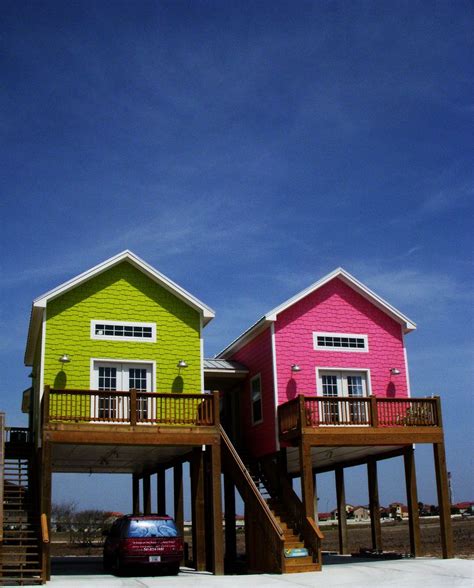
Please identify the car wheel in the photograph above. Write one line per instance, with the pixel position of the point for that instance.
(174, 570)
(106, 563)
(118, 566)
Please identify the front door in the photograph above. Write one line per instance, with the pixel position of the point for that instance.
(347, 384)
(120, 377)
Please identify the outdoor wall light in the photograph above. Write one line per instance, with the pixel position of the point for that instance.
(182, 364)
(64, 358)
(295, 368)
(395, 371)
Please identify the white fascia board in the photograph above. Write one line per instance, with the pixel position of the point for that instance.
(206, 311)
(348, 279)
(244, 338)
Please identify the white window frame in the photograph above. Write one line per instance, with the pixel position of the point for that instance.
(116, 363)
(151, 339)
(348, 371)
(255, 378)
(320, 371)
(343, 349)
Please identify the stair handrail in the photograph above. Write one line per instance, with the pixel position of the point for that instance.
(266, 509)
(2, 470)
(307, 526)
(44, 528)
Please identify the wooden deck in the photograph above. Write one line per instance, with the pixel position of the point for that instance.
(342, 421)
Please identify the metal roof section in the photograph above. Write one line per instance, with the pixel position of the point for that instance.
(347, 278)
(39, 304)
(224, 366)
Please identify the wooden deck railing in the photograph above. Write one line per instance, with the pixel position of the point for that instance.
(130, 407)
(316, 411)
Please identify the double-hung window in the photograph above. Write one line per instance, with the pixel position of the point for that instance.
(256, 399)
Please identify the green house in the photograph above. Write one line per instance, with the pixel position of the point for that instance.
(119, 326)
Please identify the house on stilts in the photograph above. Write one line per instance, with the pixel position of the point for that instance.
(120, 385)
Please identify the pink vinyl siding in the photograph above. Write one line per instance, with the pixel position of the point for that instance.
(337, 308)
(257, 357)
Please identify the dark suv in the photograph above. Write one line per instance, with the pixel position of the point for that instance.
(143, 540)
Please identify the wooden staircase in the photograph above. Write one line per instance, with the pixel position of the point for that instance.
(20, 549)
(278, 523)
(292, 538)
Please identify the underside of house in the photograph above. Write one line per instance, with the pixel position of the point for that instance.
(203, 434)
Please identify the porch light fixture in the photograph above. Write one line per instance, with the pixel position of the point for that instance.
(395, 371)
(182, 364)
(64, 358)
(295, 368)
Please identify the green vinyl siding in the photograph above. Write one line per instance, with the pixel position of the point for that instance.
(122, 293)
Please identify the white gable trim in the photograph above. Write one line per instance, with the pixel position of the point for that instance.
(39, 304)
(140, 264)
(271, 316)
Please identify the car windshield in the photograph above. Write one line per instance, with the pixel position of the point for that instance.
(152, 528)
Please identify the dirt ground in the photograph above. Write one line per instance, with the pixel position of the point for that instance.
(394, 538)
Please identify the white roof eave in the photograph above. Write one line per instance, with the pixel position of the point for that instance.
(271, 316)
(140, 264)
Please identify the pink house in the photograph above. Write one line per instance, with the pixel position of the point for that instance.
(327, 388)
(336, 338)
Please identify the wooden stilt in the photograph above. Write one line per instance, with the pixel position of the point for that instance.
(315, 494)
(146, 494)
(135, 494)
(412, 501)
(216, 507)
(46, 485)
(197, 507)
(341, 512)
(230, 529)
(443, 500)
(161, 492)
(178, 496)
(306, 471)
(374, 505)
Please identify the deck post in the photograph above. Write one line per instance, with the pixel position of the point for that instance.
(412, 501)
(374, 505)
(133, 407)
(178, 496)
(443, 499)
(315, 499)
(161, 492)
(230, 529)
(341, 512)
(306, 472)
(146, 494)
(197, 507)
(46, 484)
(216, 509)
(135, 494)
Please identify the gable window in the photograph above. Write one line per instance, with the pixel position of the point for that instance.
(340, 342)
(123, 331)
(256, 399)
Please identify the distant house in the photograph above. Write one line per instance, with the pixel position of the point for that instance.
(465, 507)
(349, 511)
(361, 514)
(398, 510)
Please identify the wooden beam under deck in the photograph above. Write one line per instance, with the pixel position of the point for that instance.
(130, 435)
(359, 436)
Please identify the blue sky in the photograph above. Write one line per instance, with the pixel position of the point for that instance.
(245, 150)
